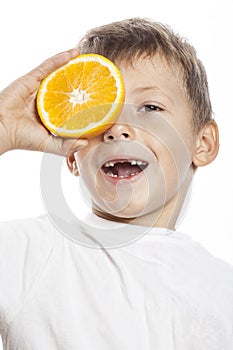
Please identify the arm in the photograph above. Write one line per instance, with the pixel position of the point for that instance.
(20, 126)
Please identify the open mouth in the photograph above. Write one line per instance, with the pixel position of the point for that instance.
(124, 168)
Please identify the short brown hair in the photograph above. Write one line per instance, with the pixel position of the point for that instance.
(132, 38)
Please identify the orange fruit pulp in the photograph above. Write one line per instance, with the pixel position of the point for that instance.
(82, 98)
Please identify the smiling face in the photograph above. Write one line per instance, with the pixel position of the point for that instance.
(141, 167)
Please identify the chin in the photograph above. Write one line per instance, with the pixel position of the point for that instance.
(126, 212)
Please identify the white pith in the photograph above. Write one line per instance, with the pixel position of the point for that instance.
(78, 96)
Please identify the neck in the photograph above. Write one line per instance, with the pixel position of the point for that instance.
(150, 220)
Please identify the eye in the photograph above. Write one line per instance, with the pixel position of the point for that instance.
(150, 108)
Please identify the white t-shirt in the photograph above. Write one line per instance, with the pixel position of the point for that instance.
(163, 292)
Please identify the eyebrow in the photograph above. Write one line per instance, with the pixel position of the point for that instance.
(155, 88)
(144, 88)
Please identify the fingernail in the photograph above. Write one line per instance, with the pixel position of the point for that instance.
(74, 51)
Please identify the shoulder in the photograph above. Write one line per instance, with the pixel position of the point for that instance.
(201, 256)
(28, 240)
(25, 243)
(205, 278)
(26, 231)
(39, 223)
(194, 257)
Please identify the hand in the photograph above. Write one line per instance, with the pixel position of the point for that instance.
(20, 125)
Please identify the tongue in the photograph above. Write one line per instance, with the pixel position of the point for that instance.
(125, 169)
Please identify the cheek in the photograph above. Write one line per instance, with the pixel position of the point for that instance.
(82, 156)
(170, 148)
(174, 161)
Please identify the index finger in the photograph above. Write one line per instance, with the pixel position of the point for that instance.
(52, 64)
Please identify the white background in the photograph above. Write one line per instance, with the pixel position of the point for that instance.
(31, 31)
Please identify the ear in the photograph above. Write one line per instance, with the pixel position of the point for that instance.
(72, 165)
(207, 144)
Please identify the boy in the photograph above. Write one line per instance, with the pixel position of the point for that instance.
(162, 291)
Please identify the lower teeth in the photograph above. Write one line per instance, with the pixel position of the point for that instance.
(120, 176)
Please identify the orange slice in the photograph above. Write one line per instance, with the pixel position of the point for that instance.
(82, 98)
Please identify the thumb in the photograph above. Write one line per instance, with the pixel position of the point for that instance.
(69, 147)
(64, 147)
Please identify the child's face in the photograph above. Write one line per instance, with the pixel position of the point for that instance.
(154, 131)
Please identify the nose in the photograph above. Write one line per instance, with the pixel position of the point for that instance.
(118, 131)
(124, 128)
